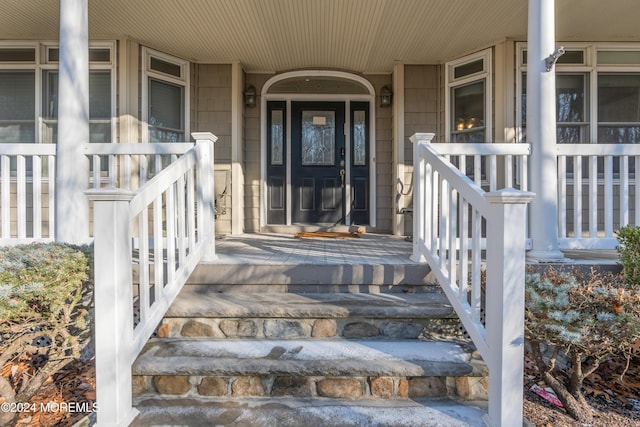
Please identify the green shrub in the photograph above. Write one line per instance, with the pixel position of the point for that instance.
(629, 251)
(45, 313)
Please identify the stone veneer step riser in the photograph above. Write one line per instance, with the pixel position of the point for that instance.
(352, 328)
(341, 369)
(372, 387)
(198, 312)
(194, 355)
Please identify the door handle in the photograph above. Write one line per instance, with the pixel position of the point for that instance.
(342, 177)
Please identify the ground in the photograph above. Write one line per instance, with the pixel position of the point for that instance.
(612, 398)
(543, 414)
(615, 400)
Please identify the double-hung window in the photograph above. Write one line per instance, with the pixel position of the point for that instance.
(469, 98)
(18, 68)
(165, 98)
(101, 93)
(29, 92)
(619, 108)
(597, 94)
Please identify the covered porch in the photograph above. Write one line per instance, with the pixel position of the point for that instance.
(368, 249)
(474, 205)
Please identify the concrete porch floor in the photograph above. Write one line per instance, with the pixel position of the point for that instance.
(368, 249)
(317, 265)
(371, 262)
(285, 249)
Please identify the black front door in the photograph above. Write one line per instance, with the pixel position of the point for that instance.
(317, 162)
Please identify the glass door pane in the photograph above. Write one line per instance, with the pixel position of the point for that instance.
(318, 138)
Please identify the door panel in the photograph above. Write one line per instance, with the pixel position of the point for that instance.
(331, 195)
(276, 193)
(307, 191)
(317, 150)
(360, 194)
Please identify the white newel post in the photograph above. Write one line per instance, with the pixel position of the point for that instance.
(506, 225)
(541, 132)
(113, 296)
(420, 189)
(206, 193)
(72, 166)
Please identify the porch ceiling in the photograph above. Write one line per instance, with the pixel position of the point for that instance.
(357, 35)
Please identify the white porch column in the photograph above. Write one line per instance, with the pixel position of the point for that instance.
(399, 187)
(541, 132)
(237, 143)
(72, 167)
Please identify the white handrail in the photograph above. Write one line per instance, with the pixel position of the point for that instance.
(452, 215)
(171, 218)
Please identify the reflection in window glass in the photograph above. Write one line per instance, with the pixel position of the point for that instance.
(17, 106)
(468, 69)
(619, 108)
(277, 137)
(619, 57)
(572, 115)
(571, 108)
(318, 138)
(166, 123)
(468, 112)
(99, 106)
(569, 57)
(17, 55)
(166, 67)
(359, 138)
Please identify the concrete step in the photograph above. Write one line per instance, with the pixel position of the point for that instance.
(298, 412)
(309, 276)
(342, 369)
(199, 312)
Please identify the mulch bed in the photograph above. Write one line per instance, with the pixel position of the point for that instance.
(63, 397)
(615, 400)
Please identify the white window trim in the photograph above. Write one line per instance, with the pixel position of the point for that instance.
(486, 74)
(41, 64)
(590, 67)
(183, 81)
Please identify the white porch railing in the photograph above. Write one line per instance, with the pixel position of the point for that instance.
(598, 187)
(27, 181)
(595, 184)
(490, 166)
(27, 192)
(452, 216)
(172, 218)
(129, 166)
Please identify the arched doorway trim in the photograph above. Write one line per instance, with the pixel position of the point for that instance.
(355, 89)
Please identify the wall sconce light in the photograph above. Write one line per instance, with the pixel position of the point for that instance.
(250, 96)
(385, 96)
